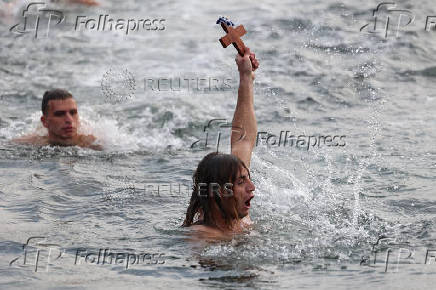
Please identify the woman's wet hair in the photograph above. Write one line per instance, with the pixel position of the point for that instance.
(55, 94)
(214, 169)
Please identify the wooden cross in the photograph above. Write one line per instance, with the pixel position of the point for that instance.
(233, 36)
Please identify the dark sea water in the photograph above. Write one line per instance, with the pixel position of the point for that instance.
(361, 215)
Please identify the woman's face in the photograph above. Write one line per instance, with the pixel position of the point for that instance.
(243, 192)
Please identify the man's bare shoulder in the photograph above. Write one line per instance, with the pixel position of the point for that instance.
(88, 141)
(85, 141)
(32, 140)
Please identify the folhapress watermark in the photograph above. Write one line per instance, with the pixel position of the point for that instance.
(108, 23)
(215, 129)
(41, 255)
(38, 19)
(114, 257)
(286, 139)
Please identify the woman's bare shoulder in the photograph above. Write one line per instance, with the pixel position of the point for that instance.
(209, 233)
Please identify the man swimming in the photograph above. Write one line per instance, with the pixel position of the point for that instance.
(61, 118)
(222, 189)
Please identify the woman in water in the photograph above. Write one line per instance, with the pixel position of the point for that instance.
(222, 189)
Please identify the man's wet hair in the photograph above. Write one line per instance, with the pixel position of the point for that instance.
(55, 94)
(214, 168)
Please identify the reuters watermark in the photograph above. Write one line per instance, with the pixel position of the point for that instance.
(206, 84)
(168, 189)
(164, 84)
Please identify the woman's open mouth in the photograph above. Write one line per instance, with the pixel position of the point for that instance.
(247, 202)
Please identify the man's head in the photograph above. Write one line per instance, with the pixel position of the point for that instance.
(59, 115)
(222, 189)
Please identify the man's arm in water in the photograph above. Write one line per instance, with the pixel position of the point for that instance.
(244, 117)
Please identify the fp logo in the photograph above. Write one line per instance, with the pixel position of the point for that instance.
(36, 250)
(386, 11)
(32, 14)
(237, 133)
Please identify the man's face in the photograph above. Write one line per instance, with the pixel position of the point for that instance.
(61, 119)
(243, 192)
